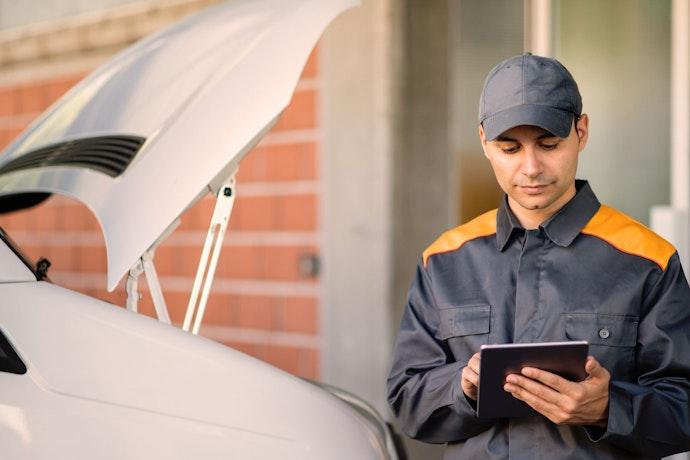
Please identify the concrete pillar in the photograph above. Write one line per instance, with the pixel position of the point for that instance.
(539, 27)
(673, 222)
(357, 58)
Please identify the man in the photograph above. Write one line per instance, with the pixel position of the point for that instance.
(551, 264)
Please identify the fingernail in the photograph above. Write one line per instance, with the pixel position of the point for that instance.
(510, 379)
(508, 388)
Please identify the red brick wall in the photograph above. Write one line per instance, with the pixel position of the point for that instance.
(261, 303)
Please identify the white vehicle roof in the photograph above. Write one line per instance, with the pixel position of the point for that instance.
(146, 135)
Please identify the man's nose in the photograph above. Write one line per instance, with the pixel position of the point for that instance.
(531, 164)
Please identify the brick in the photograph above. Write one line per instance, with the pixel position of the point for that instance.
(16, 221)
(237, 262)
(46, 216)
(285, 358)
(105, 296)
(33, 98)
(280, 163)
(254, 213)
(62, 258)
(258, 213)
(297, 212)
(300, 113)
(177, 304)
(299, 361)
(8, 135)
(77, 217)
(54, 89)
(91, 259)
(241, 262)
(255, 313)
(311, 68)
(250, 349)
(220, 310)
(8, 101)
(282, 262)
(298, 314)
(253, 166)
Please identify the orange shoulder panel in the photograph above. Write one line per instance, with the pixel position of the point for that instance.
(453, 239)
(629, 236)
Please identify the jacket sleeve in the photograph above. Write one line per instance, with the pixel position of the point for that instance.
(651, 417)
(424, 382)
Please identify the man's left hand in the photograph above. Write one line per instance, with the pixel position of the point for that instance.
(562, 401)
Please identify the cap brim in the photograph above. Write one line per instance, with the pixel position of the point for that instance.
(553, 120)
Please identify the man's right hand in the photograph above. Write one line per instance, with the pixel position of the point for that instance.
(470, 377)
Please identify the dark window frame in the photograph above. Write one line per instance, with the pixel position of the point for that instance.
(11, 362)
(18, 252)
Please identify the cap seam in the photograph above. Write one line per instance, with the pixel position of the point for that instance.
(523, 79)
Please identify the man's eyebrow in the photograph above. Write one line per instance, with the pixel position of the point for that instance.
(504, 139)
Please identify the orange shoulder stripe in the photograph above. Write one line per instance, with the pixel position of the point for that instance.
(453, 239)
(629, 236)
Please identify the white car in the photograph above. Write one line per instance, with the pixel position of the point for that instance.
(138, 142)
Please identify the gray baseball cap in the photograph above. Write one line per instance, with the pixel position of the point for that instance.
(529, 90)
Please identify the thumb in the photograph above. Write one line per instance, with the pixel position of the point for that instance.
(592, 367)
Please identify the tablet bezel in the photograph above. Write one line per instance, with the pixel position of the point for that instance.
(566, 359)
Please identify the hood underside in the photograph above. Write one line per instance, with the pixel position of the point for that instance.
(146, 135)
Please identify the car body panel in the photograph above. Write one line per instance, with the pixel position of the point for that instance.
(137, 384)
(201, 94)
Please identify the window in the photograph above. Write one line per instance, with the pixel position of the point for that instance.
(9, 361)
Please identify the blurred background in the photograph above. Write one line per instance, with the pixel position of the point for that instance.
(375, 156)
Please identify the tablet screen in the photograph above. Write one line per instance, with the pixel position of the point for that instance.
(566, 359)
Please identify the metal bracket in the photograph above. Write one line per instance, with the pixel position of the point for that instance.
(133, 294)
(145, 265)
(225, 199)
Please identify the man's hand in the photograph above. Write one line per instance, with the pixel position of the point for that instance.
(470, 377)
(562, 401)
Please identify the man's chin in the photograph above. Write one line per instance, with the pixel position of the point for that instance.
(533, 204)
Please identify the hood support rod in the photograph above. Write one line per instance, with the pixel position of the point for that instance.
(225, 199)
(145, 265)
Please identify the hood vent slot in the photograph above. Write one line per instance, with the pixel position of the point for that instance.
(106, 154)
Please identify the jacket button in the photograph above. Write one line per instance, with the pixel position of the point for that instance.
(604, 333)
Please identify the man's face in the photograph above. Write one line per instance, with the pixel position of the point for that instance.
(535, 168)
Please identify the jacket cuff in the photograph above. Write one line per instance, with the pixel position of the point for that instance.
(620, 416)
(463, 404)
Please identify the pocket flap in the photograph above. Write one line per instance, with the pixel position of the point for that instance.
(469, 320)
(601, 329)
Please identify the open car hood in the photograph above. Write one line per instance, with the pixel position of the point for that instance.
(149, 133)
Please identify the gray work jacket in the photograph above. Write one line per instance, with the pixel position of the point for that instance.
(588, 273)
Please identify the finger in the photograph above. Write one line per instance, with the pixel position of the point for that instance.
(471, 376)
(548, 410)
(554, 381)
(536, 388)
(474, 362)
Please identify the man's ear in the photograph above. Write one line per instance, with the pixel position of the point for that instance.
(582, 127)
(482, 138)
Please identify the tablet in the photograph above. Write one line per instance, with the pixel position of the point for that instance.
(566, 359)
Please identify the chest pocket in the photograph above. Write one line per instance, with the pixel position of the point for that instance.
(612, 340)
(465, 329)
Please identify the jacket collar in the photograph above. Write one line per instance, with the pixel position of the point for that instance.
(562, 227)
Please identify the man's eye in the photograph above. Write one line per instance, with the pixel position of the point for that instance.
(549, 146)
(511, 149)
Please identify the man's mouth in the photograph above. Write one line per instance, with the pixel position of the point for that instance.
(533, 189)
